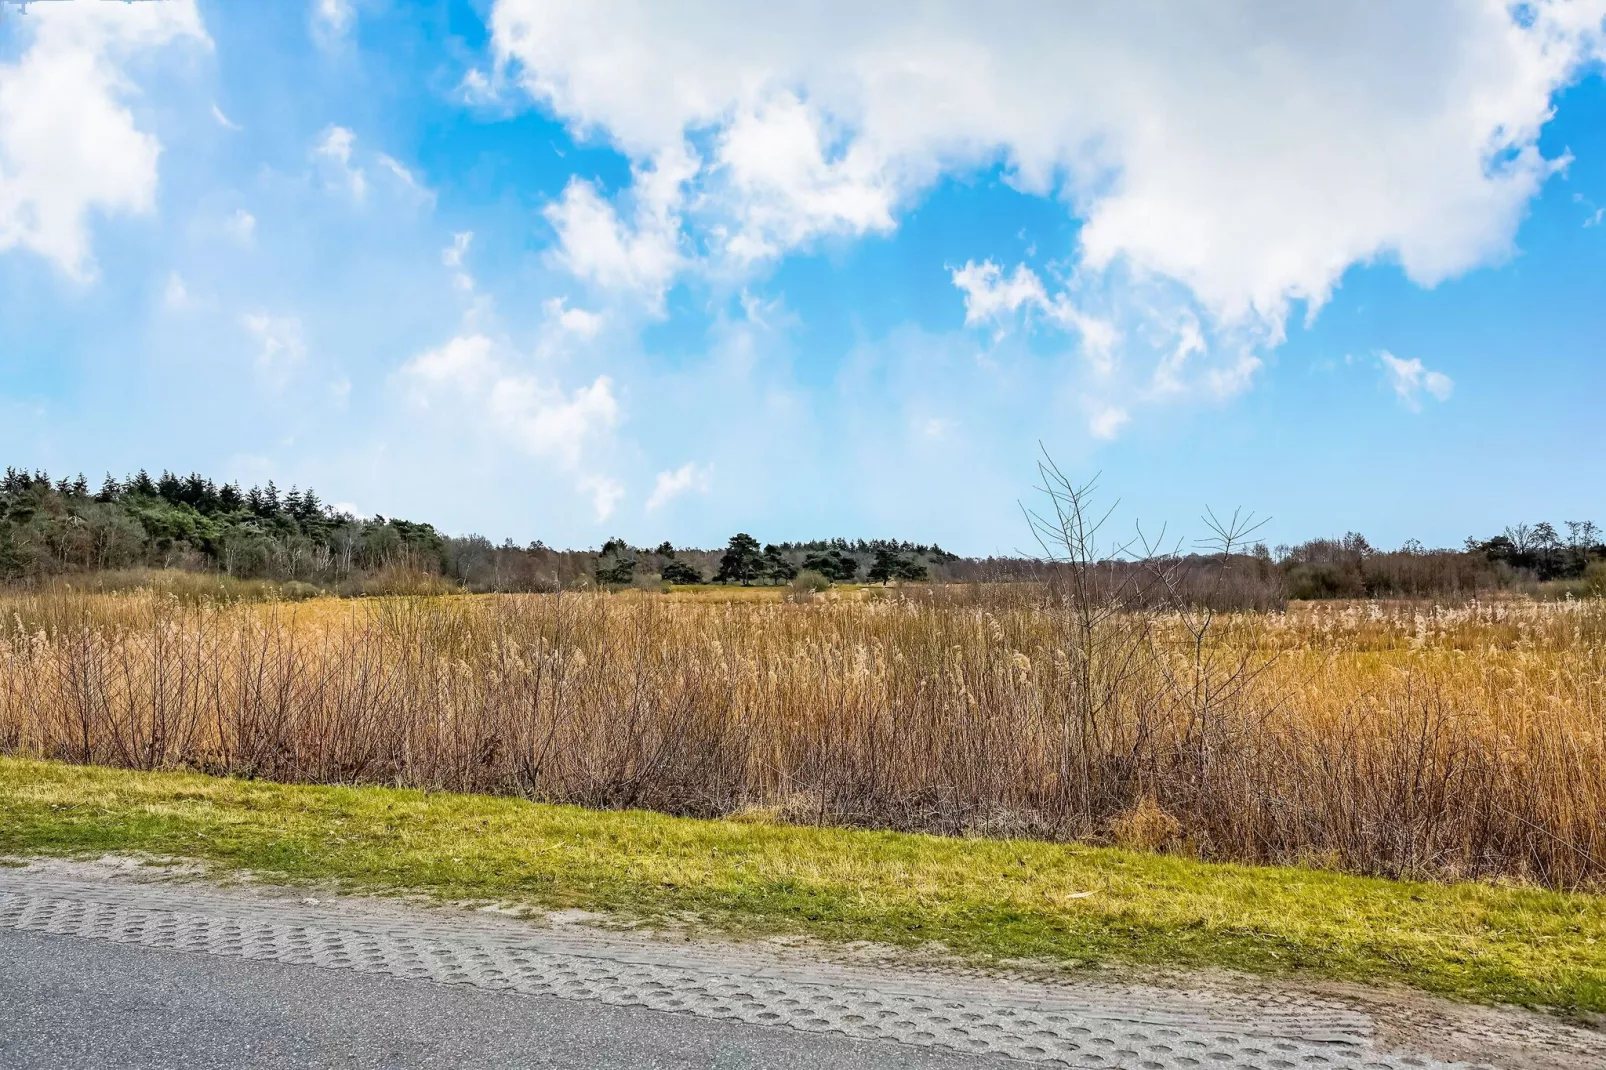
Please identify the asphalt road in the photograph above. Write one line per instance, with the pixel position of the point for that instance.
(108, 964)
(67, 1002)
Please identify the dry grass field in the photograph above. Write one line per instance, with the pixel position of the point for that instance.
(1388, 739)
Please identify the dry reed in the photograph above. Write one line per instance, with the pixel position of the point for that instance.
(1389, 739)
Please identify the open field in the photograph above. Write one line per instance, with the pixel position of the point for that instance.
(1396, 740)
(1059, 905)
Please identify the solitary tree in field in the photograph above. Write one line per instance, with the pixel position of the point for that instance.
(743, 561)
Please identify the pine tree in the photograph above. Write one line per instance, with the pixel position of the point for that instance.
(777, 569)
(169, 487)
(616, 564)
(742, 562)
(680, 573)
(893, 564)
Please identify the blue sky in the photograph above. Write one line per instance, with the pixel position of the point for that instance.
(569, 270)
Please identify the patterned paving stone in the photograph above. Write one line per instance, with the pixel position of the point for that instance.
(1125, 1029)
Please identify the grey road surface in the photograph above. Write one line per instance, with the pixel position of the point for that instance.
(67, 1003)
(103, 969)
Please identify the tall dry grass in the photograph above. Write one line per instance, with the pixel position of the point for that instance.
(1393, 739)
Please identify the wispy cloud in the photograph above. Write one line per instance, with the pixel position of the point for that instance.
(334, 149)
(280, 346)
(1411, 380)
(671, 485)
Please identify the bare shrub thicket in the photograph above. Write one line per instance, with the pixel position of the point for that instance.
(1394, 739)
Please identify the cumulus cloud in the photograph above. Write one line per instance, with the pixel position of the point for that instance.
(991, 296)
(1410, 380)
(641, 254)
(786, 186)
(1233, 147)
(471, 376)
(1228, 162)
(671, 485)
(549, 422)
(463, 365)
(69, 145)
(1107, 421)
(575, 321)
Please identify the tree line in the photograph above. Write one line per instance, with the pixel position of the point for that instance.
(67, 526)
(64, 526)
(745, 563)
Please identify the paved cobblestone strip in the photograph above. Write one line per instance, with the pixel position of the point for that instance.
(503, 957)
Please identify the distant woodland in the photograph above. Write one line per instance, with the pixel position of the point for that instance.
(68, 528)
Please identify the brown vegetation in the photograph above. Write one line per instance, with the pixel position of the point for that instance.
(1378, 738)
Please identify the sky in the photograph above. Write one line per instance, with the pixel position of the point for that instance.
(569, 270)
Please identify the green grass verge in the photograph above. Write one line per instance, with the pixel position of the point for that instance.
(984, 899)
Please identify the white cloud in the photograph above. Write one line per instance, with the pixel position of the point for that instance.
(223, 120)
(408, 181)
(991, 296)
(1410, 380)
(1227, 161)
(331, 21)
(787, 187)
(478, 90)
(334, 148)
(640, 256)
(537, 415)
(548, 422)
(605, 494)
(1107, 421)
(452, 256)
(671, 485)
(69, 146)
(242, 225)
(463, 365)
(280, 348)
(575, 321)
(336, 154)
